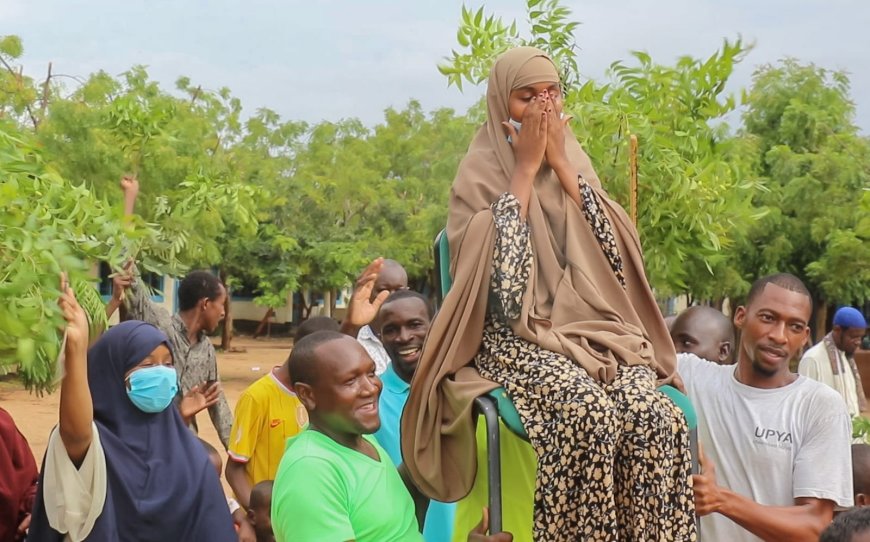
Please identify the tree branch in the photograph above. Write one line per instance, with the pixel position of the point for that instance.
(45, 88)
(18, 77)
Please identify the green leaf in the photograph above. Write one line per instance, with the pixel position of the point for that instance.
(11, 46)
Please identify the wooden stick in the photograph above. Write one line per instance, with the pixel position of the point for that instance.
(632, 161)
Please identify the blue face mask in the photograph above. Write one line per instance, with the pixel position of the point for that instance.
(153, 388)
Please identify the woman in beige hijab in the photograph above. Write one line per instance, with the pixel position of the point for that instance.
(550, 301)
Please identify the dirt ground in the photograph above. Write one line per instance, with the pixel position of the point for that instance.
(35, 416)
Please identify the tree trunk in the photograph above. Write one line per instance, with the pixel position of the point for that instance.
(306, 307)
(265, 323)
(333, 298)
(227, 336)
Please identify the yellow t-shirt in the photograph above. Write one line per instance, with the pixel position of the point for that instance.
(267, 414)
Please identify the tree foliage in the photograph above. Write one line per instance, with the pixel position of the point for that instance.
(280, 206)
(799, 126)
(693, 197)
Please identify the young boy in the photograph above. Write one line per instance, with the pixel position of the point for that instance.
(259, 514)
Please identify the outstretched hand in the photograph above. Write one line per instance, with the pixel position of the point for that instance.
(479, 533)
(199, 398)
(361, 308)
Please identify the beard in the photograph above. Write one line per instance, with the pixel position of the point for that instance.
(762, 370)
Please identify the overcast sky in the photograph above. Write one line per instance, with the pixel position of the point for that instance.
(331, 59)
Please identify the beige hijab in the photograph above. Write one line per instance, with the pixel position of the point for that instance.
(573, 305)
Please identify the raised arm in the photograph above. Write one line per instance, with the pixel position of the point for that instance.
(361, 310)
(130, 186)
(76, 404)
(122, 280)
(139, 305)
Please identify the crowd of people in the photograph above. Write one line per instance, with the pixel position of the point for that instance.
(367, 432)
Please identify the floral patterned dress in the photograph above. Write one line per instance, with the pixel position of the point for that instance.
(613, 459)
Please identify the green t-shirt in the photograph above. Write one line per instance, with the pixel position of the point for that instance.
(326, 492)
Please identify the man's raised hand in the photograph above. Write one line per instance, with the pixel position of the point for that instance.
(362, 309)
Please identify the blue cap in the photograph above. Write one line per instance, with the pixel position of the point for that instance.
(849, 317)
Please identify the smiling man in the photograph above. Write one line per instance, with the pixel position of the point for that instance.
(404, 319)
(777, 444)
(333, 483)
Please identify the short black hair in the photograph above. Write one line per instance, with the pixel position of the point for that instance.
(783, 280)
(261, 494)
(408, 294)
(311, 325)
(195, 286)
(303, 363)
(847, 524)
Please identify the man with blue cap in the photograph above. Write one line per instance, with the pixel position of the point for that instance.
(831, 361)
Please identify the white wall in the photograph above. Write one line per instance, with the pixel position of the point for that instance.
(246, 309)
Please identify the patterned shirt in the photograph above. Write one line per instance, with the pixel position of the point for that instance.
(195, 363)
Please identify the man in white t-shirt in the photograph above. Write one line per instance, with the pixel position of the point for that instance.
(831, 362)
(776, 445)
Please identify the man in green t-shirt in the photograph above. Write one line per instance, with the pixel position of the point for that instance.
(335, 483)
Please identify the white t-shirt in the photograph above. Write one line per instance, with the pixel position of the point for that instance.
(816, 365)
(771, 445)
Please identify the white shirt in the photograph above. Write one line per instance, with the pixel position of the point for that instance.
(771, 445)
(816, 365)
(375, 348)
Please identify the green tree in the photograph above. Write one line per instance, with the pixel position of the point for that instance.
(48, 226)
(194, 199)
(815, 167)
